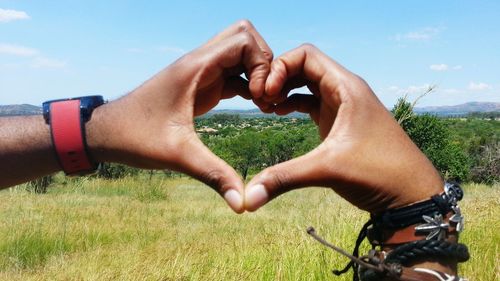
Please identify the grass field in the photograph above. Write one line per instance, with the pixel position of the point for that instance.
(177, 229)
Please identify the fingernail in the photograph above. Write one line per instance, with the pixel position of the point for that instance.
(256, 196)
(234, 199)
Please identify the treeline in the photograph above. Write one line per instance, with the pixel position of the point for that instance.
(492, 115)
(252, 148)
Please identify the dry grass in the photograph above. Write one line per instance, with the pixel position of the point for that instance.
(180, 230)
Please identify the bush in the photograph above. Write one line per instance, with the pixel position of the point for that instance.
(116, 171)
(487, 164)
(40, 185)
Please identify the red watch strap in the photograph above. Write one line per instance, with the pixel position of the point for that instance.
(67, 134)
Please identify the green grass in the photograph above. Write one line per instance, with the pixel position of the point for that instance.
(181, 230)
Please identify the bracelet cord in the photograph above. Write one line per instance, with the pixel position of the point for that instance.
(409, 252)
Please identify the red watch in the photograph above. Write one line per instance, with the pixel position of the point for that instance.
(67, 118)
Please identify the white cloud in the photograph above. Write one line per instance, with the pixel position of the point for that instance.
(37, 61)
(16, 50)
(480, 86)
(439, 67)
(424, 34)
(42, 62)
(444, 67)
(12, 15)
(417, 89)
(410, 90)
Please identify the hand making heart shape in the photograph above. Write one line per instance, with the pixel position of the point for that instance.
(153, 126)
(365, 156)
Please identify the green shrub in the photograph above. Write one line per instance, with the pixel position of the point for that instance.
(116, 171)
(486, 168)
(40, 185)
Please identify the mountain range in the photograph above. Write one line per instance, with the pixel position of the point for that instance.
(447, 110)
(19, 109)
(461, 109)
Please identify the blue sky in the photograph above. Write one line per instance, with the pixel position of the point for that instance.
(55, 49)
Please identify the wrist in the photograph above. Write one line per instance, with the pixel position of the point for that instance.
(100, 134)
(417, 184)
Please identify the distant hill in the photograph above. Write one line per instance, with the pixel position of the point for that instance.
(19, 109)
(251, 113)
(461, 109)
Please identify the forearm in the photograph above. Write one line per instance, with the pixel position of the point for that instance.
(26, 151)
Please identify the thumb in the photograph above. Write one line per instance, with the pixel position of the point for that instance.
(303, 171)
(201, 163)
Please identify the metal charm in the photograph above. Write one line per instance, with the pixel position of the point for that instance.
(457, 218)
(436, 227)
(453, 193)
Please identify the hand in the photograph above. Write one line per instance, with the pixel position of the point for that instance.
(153, 128)
(365, 156)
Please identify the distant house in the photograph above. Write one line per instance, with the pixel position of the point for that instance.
(207, 130)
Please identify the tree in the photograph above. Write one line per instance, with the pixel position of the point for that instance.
(311, 139)
(242, 152)
(279, 145)
(432, 136)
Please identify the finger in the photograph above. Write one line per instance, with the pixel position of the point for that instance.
(231, 87)
(300, 172)
(198, 161)
(301, 103)
(242, 49)
(244, 26)
(306, 61)
(236, 86)
(264, 106)
(290, 84)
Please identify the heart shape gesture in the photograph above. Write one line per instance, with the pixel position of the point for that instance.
(365, 156)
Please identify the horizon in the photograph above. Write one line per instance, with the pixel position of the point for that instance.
(256, 109)
(73, 49)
